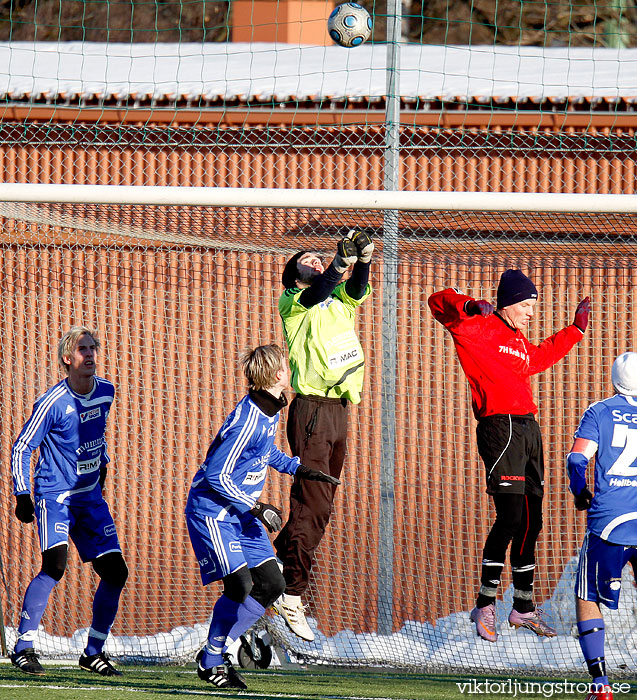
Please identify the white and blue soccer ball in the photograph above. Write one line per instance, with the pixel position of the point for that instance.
(349, 25)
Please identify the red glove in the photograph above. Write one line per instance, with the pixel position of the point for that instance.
(478, 307)
(582, 313)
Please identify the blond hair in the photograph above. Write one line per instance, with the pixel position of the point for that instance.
(261, 365)
(69, 340)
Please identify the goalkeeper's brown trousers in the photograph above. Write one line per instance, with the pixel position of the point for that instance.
(317, 433)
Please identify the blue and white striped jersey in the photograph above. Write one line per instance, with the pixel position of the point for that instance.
(612, 425)
(231, 479)
(69, 430)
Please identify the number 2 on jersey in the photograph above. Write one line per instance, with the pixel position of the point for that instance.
(625, 437)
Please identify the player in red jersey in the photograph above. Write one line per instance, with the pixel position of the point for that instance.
(498, 361)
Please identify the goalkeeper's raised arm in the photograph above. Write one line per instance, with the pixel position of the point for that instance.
(306, 270)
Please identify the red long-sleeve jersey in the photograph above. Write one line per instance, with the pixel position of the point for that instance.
(497, 359)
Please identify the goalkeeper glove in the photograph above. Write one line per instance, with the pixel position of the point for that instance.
(269, 515)
(315, 475)
(581, 314)
(478, 307)
(103, 472)
(364, 244)
(24, 508)
(346, 255)
(583, 499)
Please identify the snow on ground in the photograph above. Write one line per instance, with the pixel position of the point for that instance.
(450, 644)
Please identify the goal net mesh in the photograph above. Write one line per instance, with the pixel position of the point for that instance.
(177, 293)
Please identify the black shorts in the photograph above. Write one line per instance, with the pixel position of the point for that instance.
(511, 449)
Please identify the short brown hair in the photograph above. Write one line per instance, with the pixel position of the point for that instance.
(69, 340)
(261, 365)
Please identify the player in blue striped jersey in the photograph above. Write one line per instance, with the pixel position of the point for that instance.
(226, 520)
(608, 430)
(67, 425)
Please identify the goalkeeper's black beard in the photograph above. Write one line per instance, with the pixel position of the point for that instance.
(308, 275)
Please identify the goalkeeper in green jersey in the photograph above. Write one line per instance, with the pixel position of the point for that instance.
(318, 311)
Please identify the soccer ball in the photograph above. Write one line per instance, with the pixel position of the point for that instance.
(349, 25)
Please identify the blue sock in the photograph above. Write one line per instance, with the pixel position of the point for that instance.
(591, 640)
(249, 612)
(35, 600)
(105, 605)
(224, 617)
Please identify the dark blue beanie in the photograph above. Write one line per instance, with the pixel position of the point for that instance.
(514, 287)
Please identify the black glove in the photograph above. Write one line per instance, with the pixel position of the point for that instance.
(346, 255)
(24, 508)
(315, 475)
(269, 515)
(103, 473)
(364, 244)
(582, 313)
(478, 307)
(583, 499)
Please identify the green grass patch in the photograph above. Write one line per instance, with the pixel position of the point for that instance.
(314, 683)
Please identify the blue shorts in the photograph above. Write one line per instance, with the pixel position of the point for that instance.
(599, 570)
(89, 525)
(224, 547)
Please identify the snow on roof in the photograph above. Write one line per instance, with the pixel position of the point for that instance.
(262, 72)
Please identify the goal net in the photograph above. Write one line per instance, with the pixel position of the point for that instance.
(178, 292)
(446, 97)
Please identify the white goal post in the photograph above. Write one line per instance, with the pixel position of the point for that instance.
(375, 200)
